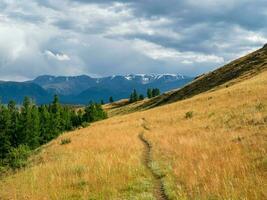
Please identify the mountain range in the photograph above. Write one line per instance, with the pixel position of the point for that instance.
(82, 89)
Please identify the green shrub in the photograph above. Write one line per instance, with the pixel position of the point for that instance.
(189, 115)
(65, 141)
(259, 106)
(17, 157)
(3, 170)
(85, 124)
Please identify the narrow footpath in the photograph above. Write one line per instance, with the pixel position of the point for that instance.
(159, 190)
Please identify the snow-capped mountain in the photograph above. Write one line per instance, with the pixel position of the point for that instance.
(148, 78)
(82, 89)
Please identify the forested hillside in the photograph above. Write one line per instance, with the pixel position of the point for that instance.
(25, 128)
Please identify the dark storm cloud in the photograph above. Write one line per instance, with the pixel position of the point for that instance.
(197, 22)
(102, 37)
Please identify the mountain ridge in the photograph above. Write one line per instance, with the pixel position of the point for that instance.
(83, 88)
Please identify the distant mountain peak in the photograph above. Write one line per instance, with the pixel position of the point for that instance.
(81, 89)
(148, 78)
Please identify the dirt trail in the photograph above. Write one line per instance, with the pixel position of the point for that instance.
(159, 190)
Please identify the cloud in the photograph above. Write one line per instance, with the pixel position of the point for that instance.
(159, 52)
(103, 37)
(57, 56)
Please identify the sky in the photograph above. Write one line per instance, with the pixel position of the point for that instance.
(104, 37)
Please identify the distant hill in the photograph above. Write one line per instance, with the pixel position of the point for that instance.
(17, 91)
(82, 89)
(65, 85)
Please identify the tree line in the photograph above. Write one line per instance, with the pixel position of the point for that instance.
(134, 96)
(25, 128)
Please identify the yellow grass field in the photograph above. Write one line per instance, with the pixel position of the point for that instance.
(211, 146)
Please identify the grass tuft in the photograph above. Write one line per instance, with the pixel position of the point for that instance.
(189, 114)
(65, 141)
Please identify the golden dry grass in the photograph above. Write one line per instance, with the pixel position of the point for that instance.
(102, 161)
(218, 153)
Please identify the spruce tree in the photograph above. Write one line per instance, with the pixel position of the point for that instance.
(25, 122)
(80, 117)
(33, 141)
(157, 92)
(153, 92)
(5, 144)
(149, 93)
(13, 129)
(55, 118)
(66, 118)
(141, 97)
(135, 96)
(45, 132)
(131, 98)
(94, 112)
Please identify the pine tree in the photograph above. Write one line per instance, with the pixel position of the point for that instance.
(66, 119)
(25, 121)
(33, 141)
(5, 144)
(94, 112)
(135, 96)
(149, 93)
(80, 116)
(131, 98)
(141, 97)
(45, 132)
(89, 113)
(102, 102)
(155, 92)
(55, 118)
(111, 99)
(13, 129)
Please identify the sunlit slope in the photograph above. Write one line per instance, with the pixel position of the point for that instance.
(217, 152)
(238, 70)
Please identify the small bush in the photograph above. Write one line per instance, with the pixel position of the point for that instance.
(189, 115)
(85, 124)
(3, 170)
(65, 141)
(17, 157)
(259, 107)
(264, 163)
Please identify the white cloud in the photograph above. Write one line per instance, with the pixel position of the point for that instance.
(162, 53)
(154, 26)
(57, 56)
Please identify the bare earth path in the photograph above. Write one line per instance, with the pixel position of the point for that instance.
(159, 191)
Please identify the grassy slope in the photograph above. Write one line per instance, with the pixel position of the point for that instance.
(219, 153)
(234, 72)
